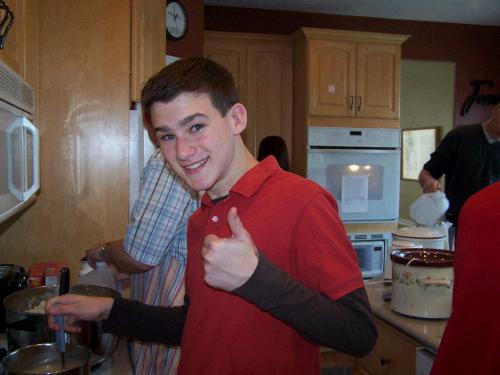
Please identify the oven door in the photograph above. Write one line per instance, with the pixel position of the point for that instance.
(365, 182)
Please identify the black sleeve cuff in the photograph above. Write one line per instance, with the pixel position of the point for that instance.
(146, 322)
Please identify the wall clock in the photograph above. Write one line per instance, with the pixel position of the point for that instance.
(177, 20)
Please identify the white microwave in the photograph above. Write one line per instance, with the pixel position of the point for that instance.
(19, 144)
(371, 249)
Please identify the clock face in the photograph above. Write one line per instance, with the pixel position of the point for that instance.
(176, 18)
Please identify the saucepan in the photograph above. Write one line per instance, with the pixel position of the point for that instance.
(45, 359)
(26, 320)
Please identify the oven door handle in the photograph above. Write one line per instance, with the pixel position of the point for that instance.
(315, 149)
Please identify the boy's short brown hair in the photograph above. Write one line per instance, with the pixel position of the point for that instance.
(191, 75)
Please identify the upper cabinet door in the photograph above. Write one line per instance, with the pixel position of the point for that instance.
(262, 67)
(231, 54)
(377, 80)
(332, 78)
(270, 77)
(148, 44)
(13, 51)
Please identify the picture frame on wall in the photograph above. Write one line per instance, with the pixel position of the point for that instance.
(416, 148)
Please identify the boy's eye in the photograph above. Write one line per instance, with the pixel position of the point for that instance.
(196, 128)
(167, 137)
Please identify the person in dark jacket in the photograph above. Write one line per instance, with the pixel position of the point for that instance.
(469, 157)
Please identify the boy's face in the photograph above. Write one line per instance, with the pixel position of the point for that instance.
(198, 143)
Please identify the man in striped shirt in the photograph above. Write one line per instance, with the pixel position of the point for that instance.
(154, 254)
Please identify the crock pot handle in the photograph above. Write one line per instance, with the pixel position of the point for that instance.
(429, 281)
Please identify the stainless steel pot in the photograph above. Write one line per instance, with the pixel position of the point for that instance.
(27, 328)
(45, 359)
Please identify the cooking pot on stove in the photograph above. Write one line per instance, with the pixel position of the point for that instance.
(12, 278)
(26, 326)
(45, 359)
(422, 282)
(22, 326)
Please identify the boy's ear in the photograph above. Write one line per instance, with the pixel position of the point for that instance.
(238, 115)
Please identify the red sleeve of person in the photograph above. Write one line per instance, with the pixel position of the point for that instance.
(470, 344)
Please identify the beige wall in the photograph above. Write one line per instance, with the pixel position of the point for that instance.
(427, 99)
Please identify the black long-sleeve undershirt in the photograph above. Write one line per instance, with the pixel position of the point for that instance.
(345, 324)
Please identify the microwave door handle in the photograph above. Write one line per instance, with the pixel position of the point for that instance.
(35, 153)
(13, 189)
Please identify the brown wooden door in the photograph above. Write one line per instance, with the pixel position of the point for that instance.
(232, 55)
(377, 80)
(331, 78)
(270, 94)
(262, 67)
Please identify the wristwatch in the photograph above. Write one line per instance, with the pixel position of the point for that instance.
(103, 250)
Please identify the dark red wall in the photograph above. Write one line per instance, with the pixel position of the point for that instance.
(474, 49)
(192, 43)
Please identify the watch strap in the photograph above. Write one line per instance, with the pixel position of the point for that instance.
(103, 250)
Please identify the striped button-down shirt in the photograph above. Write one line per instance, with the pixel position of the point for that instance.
(157, 236)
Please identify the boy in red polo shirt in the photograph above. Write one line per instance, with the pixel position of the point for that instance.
(271, 274)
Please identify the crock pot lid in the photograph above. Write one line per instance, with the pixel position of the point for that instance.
(423, 257)
(419, 232)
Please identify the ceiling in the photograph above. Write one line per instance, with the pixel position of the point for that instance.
(474, 12)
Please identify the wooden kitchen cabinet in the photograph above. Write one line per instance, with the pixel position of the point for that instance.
(348, 78)
(394, 353)
(148, 41)
(262, 66)
(13, 52)
(92, 58)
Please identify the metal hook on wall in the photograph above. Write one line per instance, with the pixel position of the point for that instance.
(6, 23)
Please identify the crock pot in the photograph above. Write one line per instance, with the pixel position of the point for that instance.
(427, 237)
(395, 245)
(422, 282)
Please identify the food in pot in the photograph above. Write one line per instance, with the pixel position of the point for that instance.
(37, 308)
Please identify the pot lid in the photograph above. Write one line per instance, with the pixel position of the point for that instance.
(423, 257)
(418, 232)
(404, 244)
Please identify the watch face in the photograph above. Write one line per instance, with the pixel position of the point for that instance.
(176, 18)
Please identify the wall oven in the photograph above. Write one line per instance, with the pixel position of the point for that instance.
(19, 144)
(360, 167)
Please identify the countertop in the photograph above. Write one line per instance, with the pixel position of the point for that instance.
(428, 332)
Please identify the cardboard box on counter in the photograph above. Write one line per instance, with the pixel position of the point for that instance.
(47, 274)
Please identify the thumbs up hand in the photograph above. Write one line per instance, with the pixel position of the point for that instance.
(229, 262)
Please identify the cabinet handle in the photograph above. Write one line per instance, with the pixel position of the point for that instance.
(352, 103)
(384, 361)
(359, 105)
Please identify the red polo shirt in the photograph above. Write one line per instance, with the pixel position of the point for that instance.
(295, 223)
